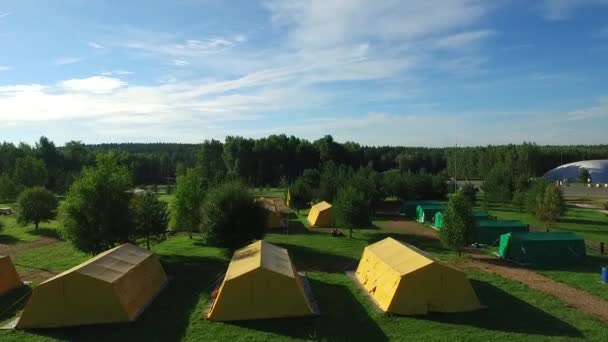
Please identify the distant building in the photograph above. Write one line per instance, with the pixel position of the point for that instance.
(570, 172)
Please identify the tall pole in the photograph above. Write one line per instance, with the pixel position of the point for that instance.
(455, 173)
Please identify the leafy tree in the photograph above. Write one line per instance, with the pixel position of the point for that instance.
(53, 160)
(150, 217)
(584, 176)
(95, 214)
(189, 198)
(469, 193)
(29, 172)
(551, 205)
(8, 189)
(231, 218)
(351, 209)
(211, 163)
(519, 201)
(460, 225)
(312, 178)
(36, 205)
(499, 184)
(301, 194)
(536, 190)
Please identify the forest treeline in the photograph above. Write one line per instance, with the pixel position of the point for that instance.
(272, 160)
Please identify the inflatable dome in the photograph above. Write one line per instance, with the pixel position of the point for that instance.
(597, 168)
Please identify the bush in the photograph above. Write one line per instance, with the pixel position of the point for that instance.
(551, 205)
(301, 194)
(36, 205)
(460, 225)
(469, 193)
(8, 189)
(189, 198)
(352, 209)
(231, 218)
(150, 217)
(519, 201)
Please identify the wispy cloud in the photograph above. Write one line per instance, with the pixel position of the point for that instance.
(95, 45)
(595, 112)
(5, 14)
(563, 9)
(116, 72)
(94, 84)
(180, 62)
(463, 39)
(5, 68)
(187, 48)
(68, 60)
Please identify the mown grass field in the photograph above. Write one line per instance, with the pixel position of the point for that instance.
(14, 233)
(513, 312)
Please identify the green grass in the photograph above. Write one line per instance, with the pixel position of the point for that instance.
(55, 258)
(514, 311)
(14, 233)
(269, 192)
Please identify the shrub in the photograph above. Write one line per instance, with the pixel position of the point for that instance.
(352, 209)
(150, 217)
(231, 218)
(460, 225)
(36, 205)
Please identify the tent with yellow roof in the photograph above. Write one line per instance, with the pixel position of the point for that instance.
(9, 278)
(261, 282)
(114, 286)
(404, 280)
(321, 215)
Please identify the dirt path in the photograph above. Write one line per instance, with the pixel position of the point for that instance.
(12, 249)
(590, 206)
(578, 299)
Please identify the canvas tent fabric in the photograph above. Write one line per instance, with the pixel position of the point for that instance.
(408, 208)
(321, 215)
(261, 283)
(489, 231)
(426, 212)
(542, 248)
(9, 278)
(479, 215)
(275, 209)
(114, 286)
(405, 280)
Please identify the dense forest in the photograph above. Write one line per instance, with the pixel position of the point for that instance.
(267, 161)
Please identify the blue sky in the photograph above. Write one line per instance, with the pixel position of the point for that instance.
(391, 72)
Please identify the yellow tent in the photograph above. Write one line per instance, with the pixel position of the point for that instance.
(321, 215)
(114, 286)
(9, 278)
(405, 280)
(260, 283)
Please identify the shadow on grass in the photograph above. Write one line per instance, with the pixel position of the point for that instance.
(507, 313)
(583, 221)
(342, 318)
(9, 240)
(308, 259)
(45, 232)
(166, 319)
(592, 264)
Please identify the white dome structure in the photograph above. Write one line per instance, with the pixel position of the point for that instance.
(597, 168)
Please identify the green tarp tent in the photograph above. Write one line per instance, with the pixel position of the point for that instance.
(479, 216)
(489, 231)
(408, 208)
(542, 248)
(426, 212)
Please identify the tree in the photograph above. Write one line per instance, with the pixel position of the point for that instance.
(29, 172)
(95, 215)
(469, 193)
(301, 194)
(460, 225)
(231, 218)
(36, 205)
(8, 189)
(519, 201)
(499, 184)
(551, 205)
(189, 198)
(352, 209)
(150, 217)
(536, 190)
(584, 176)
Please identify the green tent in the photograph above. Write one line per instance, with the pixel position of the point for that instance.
(489, 231)
(542, 248)
(479, 216)
(426, 212)
(408, 208)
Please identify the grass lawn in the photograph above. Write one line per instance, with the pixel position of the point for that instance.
(514, 311)
(269, 192)
(14, 233)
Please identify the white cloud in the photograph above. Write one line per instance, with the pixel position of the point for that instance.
(117, 72)
(595, 112)
(563, 9)
(68, 60)
(5, 68)
(180, 62)
(462, 39)
(95, 45)
(5, 14)
(94, 84)
(188, 48)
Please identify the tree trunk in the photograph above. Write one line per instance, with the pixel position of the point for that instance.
(36, 225)
(350, 233)
(190, 234)
(148, 242)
